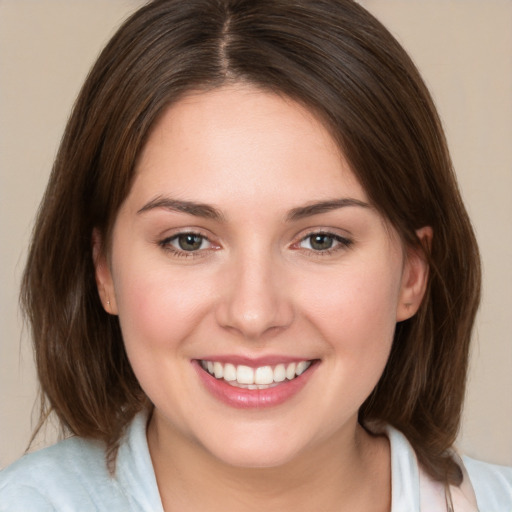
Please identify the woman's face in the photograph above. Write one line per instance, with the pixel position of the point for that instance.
(247, 249)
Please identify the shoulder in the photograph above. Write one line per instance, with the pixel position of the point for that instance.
(413, 490)
(492, 485)
(73, 475)
(60, 477)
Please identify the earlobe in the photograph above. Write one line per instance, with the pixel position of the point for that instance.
(415, 276)
(103, 275)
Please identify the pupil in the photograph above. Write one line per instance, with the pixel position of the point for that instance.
(190, 242)
(321, 242)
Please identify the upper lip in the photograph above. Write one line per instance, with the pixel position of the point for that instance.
(255, 362)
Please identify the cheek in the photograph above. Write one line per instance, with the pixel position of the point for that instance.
(355, 300)
(158, 312)
(159, 307)
(355, 312)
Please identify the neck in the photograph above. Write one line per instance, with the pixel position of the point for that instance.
(343, 473)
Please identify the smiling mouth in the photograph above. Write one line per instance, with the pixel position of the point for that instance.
(262, 377)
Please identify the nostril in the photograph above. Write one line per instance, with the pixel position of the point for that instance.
(254, 300)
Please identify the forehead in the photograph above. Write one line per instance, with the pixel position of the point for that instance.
(242, 141)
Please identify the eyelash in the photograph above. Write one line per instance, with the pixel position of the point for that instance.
(341, 243)
(166, 245)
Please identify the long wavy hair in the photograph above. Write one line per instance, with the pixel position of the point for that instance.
(336, 59)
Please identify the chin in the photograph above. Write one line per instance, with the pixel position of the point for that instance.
(259, 459)
(255, 452)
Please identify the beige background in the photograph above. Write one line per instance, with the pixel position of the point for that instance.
(463, 48)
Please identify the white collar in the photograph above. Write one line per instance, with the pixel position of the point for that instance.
(412, 490)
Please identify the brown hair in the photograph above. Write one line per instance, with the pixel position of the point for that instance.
(333, 57)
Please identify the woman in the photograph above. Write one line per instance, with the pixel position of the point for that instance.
(252, 281)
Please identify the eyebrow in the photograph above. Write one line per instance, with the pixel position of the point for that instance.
(197, 209)
(210, 212)
(322, 207)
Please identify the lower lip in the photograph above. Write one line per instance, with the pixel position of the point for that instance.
(242, 398)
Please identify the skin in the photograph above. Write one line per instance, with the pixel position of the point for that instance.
(256, 286)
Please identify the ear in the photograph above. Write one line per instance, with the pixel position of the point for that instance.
(103, 274)
(414, 276)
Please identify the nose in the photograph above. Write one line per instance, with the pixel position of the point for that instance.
(256, 299)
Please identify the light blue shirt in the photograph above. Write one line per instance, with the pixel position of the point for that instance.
(72, 476)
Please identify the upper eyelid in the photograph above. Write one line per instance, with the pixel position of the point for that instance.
(344, 235)
(180, 233)
(339, 238)
(166, 244)
(343, 242)
(328, 232)
(189, 230)
(334, 232)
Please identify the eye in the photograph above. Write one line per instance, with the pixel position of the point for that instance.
(189, 242)
(318, 242)
(324, 242)
(183, 243)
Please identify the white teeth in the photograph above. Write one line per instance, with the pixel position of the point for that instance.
(301, 367)
(255, 378)
(280, 373)
(264, 375)
(290, 371)
(218, 370)
(229, 372)
(245, 374)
